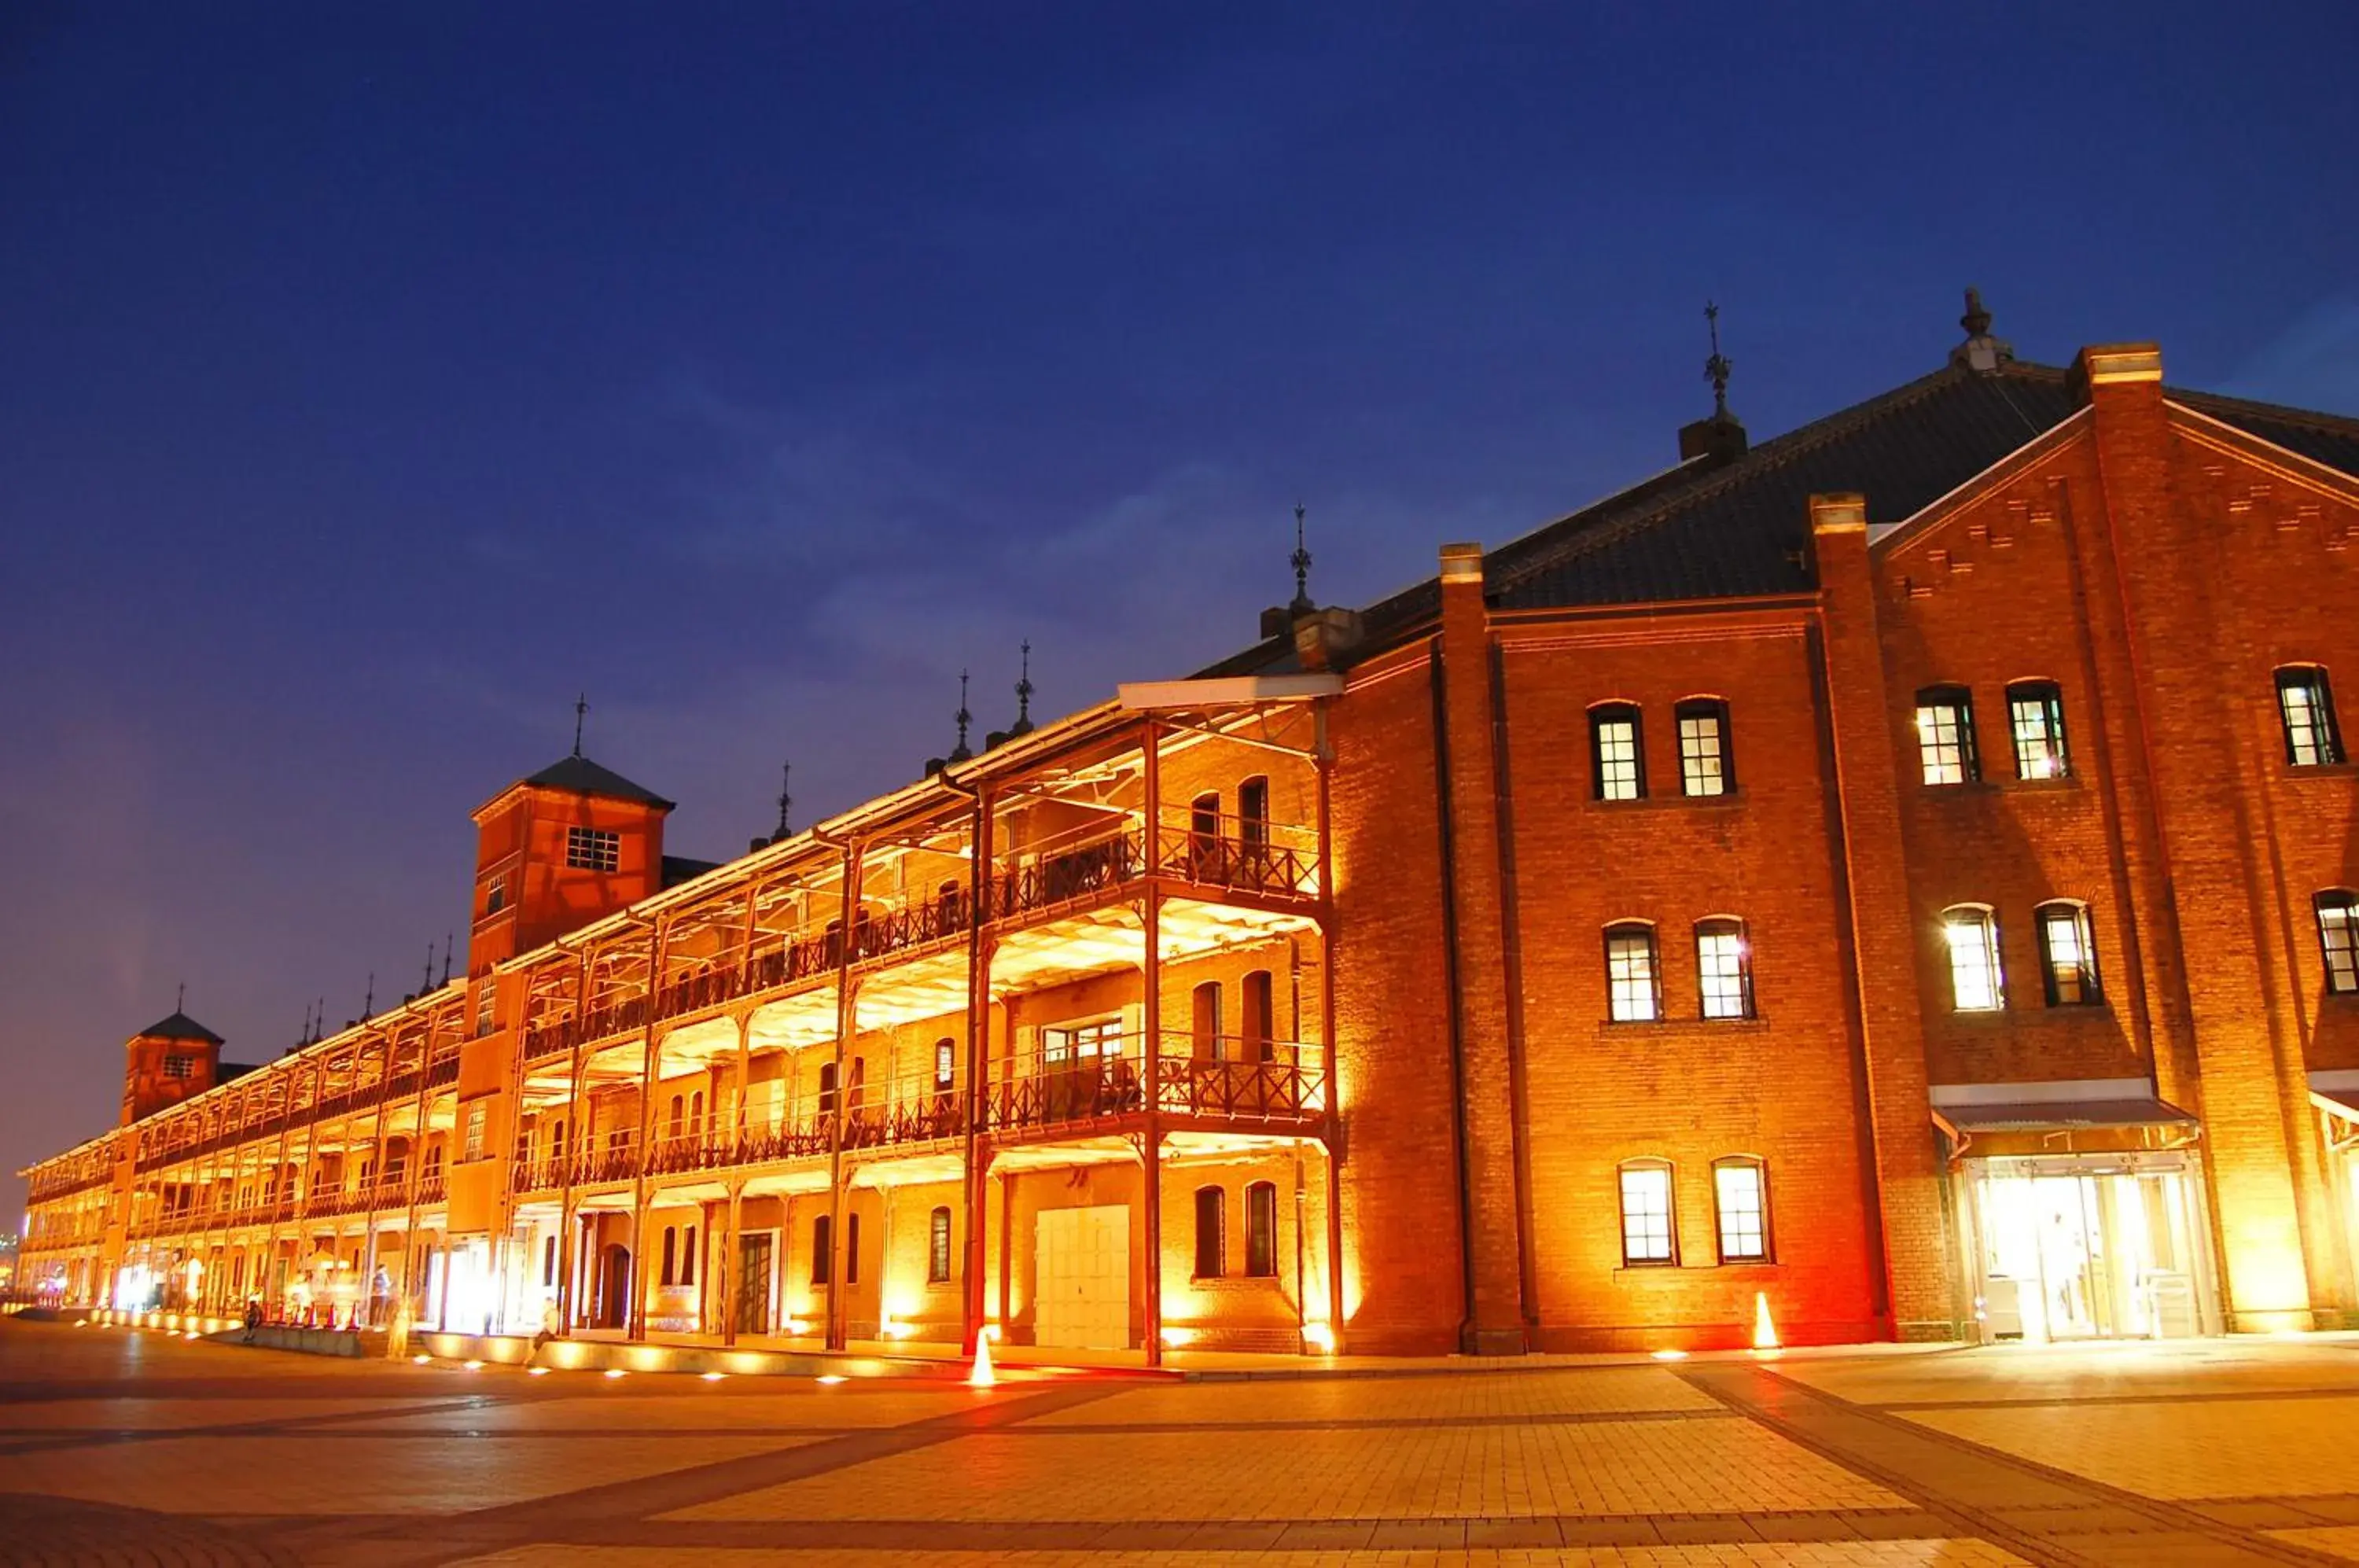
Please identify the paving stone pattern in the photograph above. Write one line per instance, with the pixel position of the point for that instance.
(130, 1448)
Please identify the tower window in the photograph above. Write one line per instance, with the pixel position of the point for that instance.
(593, 849)
(1976, 983)
(1617, 767)
(2034, 716)
(1945, 736)
(1703, 747)
(2307, 705)
(1633, 992)
(179, 1066)
(2067, 954)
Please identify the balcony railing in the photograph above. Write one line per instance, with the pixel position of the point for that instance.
(1068, 870)
(1227, 1078)
(1246, 855)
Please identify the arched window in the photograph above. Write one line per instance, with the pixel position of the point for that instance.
(822, 1249)
(2035, 718)
(852, 1249)
(1617, 763)
(1977, 982)
(1649, 1238)
(2338, 938)
(1261, 1230)
(1204, 837)
(2306, 706)
(1211, 1243)
(1945, 736)
(938, 1247)
(671, 1255)
(827, 1088)
(1633, 987)
(696, 1114)
(1706, 768)
(688, 1251)
(1724, 968)
(1252, 812)
(679, 1106)
(2068, 954)
(1259, 1023)
(1740, 1197)
(1204, 1039)
(945, 1064)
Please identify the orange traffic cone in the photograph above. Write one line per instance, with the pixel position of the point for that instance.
(1765, 1332)
(983, 1377)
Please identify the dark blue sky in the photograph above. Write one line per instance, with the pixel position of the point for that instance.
(374, 377)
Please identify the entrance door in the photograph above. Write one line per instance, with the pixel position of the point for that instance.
(1081, 1273)
(753, 1308)
(614, 1287)
(2083, 1248)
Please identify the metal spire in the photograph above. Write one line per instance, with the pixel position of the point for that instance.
(369, 1003)
(1301, 559)
(786, 799)
(319, 1023)
(961, 751)
(180, 997)
(1716, 368)
(580, 707)
(1976, 320)
(427, 983)
(446, 958)
(1024, 695)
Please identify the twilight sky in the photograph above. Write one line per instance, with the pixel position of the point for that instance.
(377, 377)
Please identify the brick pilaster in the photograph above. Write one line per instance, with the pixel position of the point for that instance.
(1906, 1161)
(1495, 1321)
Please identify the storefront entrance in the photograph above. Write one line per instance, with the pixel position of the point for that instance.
(2087, 1246)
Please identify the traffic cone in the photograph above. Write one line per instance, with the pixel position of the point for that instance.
(983, 1377)
(1765, 1332)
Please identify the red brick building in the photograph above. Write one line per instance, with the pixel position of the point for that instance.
(1900, 872)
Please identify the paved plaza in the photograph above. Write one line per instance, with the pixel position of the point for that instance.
(138, 1447)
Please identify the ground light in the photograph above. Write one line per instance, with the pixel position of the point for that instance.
(617, 1372)
(830, 1378)
(983, 1377)
(422, 1361)
(713, 1376)
(473, 1365)
(1670, 1355)
(1764, 1331)
(536, 1371)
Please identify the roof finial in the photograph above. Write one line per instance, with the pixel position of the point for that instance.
(319, 1022)
(785, 800)
(580, 707)
(1302, 561)
(1024, 695)
(961, 752)
(1976, 320)
(428, 984)
(180, 997)
(1716, 369)
(369, 1003)
(446, 958)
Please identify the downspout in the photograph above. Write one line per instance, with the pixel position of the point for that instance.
(1457, 1010)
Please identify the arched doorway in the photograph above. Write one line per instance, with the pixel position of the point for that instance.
(614, 1286)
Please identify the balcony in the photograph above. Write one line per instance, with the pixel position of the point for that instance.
(1229, 1082)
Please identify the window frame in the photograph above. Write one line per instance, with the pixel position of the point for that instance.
(1261, 1230)
(1693, 710)
(1600, 715)
(939, 1248)
(1986, 920)
(1759, 1167)
(823, 1263)
(1616, 986)
(598, 850)
(1212, 1242)
(2326, 732)
(2044, 917)
(945, 1065)
(1960, 701)
(1716, 926)
(1649, 1166)
(2048, 699)
(2339, 965)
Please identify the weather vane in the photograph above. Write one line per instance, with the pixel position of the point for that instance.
(1301, 559)
(1716, 368)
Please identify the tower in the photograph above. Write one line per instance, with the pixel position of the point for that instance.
(568, 846)
(168, 1062)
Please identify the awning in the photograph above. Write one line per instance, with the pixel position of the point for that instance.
(2336, 1094)
(2062, 1116)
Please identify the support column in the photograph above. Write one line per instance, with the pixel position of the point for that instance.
(1332, 1141)
(731, 1265)
(1151, 1139)
(1909, 1231)
(847, 1023)
(1496, 1321)
(980, 952)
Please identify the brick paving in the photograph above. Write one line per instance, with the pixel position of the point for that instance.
(142, 1449)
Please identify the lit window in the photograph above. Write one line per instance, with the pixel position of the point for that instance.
(1976, 985)
(486, 995)
(1740, 1197)
(593, 849)
(945, 1064)
(2311, 737)
(1261, 1230)
(474, 1147)
(2067, 954)
(1703, 749)
(2338, 938)
(1646, 1232)
(938, 1247)
(1630, 974)
(1945, 736)
(1211, 1243)
(1079, 1043)
(2034, 716)
(496, 898)
(1616, 764)
(827, 1088)
(1725, 969)
(179, 1066)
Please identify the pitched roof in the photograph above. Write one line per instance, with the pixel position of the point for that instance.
(1724, 529)
(179, 1026)
(584, 777)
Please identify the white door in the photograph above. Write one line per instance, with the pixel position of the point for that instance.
(1081, 1265)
